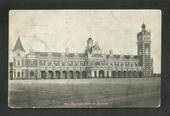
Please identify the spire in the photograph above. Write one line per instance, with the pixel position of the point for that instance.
(18, 45)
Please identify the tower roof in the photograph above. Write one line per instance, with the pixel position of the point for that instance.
(144, 31)
(143, 25)
(18, 45)
(89, 39)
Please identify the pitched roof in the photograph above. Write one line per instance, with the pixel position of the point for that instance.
(18, 45)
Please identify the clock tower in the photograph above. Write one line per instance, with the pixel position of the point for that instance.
(144, 51)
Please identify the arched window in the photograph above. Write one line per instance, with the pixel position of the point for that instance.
(31, 73)
(84, 74)
(101, 73)
(78, 74)
(71, 74)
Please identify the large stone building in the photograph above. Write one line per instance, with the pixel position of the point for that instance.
(90, 64)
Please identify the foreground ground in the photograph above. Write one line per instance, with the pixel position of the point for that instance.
(106, 93)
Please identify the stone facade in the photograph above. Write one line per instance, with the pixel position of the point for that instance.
(90, 64)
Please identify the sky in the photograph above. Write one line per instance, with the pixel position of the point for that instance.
(56, 30)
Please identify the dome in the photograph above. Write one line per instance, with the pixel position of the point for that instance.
(143, 25)
(90, 39)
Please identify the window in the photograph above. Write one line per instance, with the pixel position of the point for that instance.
(116, 64)
(33, 63)
(103, 62)
(75, 63)
(85, 63)
(97, 63)
(82, 63)
(136, 64)
(42, 62)
(111, 63)
(18, 74)
(70, 63)
(18, 54)
(56, 63)
(63, 63)
(18, 63)
(31, 73)
(49, 63)
(92, 62)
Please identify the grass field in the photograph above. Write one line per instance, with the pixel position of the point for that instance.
(90, 93)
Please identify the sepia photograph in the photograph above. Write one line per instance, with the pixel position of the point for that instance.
(84, 58)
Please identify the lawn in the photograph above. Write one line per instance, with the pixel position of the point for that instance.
(85, 93)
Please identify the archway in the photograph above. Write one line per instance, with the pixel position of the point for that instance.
(89, 75)
(95, 74)
(129, 74)
(113, 74)
(58, 74)
(65, 74)
(140, 74)
(101, 73)
(18, 74)
(107, 73)
(77, 74)
(43, 74)
(84, 74)
(137, 74)
(31, 73)
(119, 74)
(71, 74)
(134, 74)
(50, 73)
(124, 74)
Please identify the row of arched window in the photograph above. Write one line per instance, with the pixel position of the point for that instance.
(84, 74)
(85, 63)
